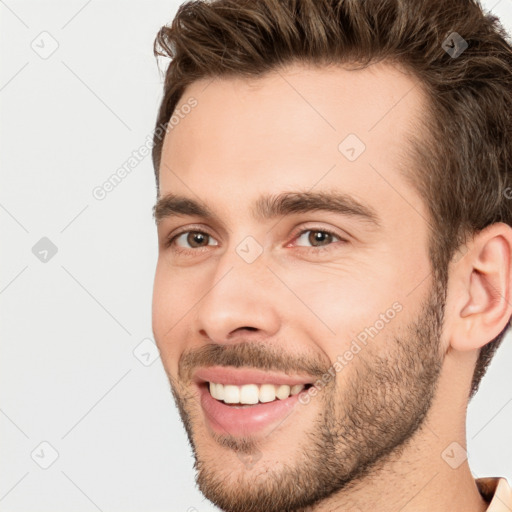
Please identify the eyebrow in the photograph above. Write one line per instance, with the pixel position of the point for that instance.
(272, 206)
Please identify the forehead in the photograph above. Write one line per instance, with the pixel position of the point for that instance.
(295, 128)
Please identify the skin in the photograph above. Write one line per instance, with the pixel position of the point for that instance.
(373, 438)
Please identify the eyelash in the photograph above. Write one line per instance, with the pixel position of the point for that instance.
(170, 242)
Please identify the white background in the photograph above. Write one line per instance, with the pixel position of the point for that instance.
(68, 373)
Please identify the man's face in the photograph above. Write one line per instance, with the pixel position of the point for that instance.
(274, 292)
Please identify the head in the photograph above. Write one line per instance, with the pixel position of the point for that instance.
(345, 119)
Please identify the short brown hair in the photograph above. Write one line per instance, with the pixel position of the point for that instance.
(464, 152)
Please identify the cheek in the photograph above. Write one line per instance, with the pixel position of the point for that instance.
(344, 314)
(341, 302)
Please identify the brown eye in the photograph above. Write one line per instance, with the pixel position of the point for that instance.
(316, 238)
(188, 240)
(319, 238)
(197, 239)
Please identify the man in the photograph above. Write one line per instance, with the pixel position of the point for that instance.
(335, 247)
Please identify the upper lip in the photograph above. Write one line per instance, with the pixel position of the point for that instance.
(241, 376)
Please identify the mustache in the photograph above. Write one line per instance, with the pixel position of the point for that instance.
(259, 356)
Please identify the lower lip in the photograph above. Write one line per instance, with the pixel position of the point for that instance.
(243, 421)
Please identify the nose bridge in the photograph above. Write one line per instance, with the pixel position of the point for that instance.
(239, 294)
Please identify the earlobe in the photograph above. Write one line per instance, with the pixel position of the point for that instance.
(484, 279)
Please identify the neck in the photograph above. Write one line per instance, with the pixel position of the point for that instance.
(413, 483)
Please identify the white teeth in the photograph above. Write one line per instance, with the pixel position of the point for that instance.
(283, 392)
(249, 394)
(217, 390)
(267, 393)
(231, 394)
(252, 393)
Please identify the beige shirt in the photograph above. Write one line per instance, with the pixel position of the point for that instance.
(497, 492)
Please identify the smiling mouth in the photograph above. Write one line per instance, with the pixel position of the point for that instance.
(252, 394)
(247, 402)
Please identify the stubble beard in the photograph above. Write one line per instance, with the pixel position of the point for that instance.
(356, 430)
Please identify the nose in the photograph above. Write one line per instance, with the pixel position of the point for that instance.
(241, 296)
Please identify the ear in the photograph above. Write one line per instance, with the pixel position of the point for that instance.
(480, 288)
